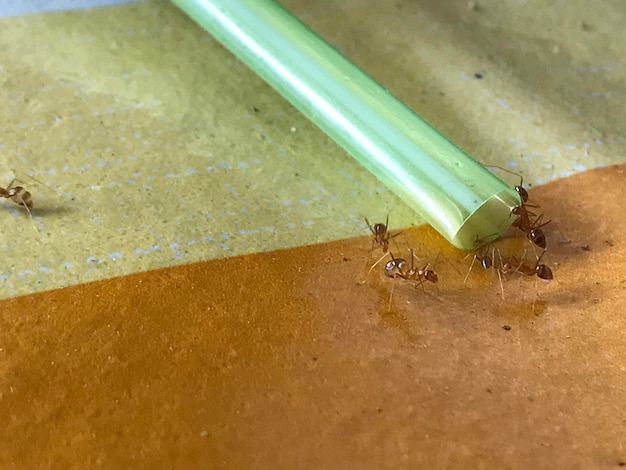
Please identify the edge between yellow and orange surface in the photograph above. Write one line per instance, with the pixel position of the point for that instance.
(285, 359)
(145, 144)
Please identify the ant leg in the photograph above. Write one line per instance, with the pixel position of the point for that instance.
(537, 222)
(370, 226)
(420, 283)
(470, 268)
(493, 254)
(390, 297)
(479, 249)
(373, 266)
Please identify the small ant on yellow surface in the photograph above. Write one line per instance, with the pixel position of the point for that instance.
(18, 195)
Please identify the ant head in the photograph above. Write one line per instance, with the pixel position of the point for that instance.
(431, 276)
(543, 272)
(19, 195)
(523, 194)
(26, 198)
(537, 237)
(380, 229)
(394, 267)
(486, 262)
(507, 267)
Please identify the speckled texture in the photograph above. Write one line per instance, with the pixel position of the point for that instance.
(146, 144)
(284, 360)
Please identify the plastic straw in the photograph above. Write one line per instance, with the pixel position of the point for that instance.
(455, 194)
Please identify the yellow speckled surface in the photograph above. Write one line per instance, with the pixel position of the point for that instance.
(146, 144)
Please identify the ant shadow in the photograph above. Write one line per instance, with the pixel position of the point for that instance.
(48, 210)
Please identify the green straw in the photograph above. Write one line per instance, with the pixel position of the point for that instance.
(455, 194)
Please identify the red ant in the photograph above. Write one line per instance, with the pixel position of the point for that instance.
(542, 271)
(380, 232)
(524, 220)
(18, 195)
(396, 267)
(381, 237)
(485, 254)
(532, 228)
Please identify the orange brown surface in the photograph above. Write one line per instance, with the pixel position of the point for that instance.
(286, 360)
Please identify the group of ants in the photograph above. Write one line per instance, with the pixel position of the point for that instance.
(527, 220)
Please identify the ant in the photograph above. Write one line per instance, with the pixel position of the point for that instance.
(524, 220)
(380, 232)
(381, 237)
(18, 195)
(542, 271)
(481, 254)
(485, 254)
(532, 228)
(396, 267)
